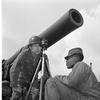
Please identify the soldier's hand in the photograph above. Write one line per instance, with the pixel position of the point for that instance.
(40, 75)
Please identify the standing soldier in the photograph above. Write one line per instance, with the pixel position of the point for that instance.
(23, 69)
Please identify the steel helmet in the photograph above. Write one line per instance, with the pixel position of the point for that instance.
(35, 40)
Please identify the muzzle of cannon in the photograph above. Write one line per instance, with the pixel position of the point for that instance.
(66, 24)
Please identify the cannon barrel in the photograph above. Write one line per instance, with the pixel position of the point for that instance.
(66, 24)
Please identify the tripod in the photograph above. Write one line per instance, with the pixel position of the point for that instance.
(42, 60)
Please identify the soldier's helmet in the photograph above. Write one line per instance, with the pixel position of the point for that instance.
(35, 40)
(75, 51)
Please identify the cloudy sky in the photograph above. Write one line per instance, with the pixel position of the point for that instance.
(22, 19)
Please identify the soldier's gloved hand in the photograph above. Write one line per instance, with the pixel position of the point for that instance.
(40, 75)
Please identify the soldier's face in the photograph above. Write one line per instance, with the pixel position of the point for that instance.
(72, 61)
(36, 48)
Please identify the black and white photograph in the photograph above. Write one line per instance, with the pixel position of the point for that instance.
(50, 49)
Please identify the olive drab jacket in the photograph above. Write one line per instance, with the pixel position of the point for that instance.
(23, 68)
(22, 71)
(80, 84)
(7, 64)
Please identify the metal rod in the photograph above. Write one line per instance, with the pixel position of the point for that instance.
(26, 98)
(41, 82)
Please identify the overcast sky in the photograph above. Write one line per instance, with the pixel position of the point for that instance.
(22, 19)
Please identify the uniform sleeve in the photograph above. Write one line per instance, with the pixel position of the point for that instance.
(79, 74)
(19, 60)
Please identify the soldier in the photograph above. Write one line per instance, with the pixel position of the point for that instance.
(23, 69)
(80, 84)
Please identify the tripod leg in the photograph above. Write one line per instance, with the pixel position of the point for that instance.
(48, 68)
(41, 82)
(45, 75)
(37, 69)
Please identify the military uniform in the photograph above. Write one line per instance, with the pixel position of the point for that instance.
(80, 84)
(23, 69)
(6, 65)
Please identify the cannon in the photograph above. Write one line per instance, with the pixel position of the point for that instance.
(62, 27)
